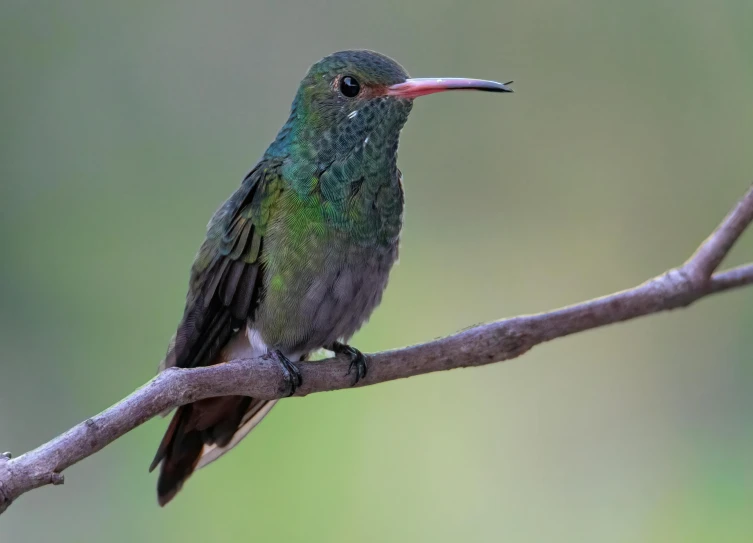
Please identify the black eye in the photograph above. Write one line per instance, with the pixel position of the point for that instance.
(349, 86)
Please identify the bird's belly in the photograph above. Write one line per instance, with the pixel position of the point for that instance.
(308, 305)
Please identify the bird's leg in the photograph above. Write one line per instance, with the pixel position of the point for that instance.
(290, 372)
(357, 359)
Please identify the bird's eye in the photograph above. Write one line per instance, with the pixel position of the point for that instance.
(349, 86)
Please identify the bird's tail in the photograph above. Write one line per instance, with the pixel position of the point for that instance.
(201, 432)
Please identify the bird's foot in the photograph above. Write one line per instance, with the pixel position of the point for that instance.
(357, 360)
(290, 372)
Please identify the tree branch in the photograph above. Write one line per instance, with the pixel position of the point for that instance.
(477, 346)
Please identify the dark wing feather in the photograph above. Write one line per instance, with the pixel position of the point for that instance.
(225, 278)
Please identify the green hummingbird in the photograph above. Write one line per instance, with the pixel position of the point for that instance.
(298, 257)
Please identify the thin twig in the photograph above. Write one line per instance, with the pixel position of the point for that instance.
(710, 254)
(485, 344)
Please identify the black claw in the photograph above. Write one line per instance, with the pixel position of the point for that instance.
(290, 372)
(357, 360)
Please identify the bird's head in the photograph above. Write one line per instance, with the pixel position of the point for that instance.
(351, 106)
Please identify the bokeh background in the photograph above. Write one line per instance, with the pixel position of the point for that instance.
(123, 125)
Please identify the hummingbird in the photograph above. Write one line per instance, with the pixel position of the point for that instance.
(298, 257)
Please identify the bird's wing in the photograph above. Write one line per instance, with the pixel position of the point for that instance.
(226, 277)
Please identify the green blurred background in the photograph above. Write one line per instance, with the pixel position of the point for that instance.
(123, 125)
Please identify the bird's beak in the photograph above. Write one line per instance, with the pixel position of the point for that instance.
(413, 88)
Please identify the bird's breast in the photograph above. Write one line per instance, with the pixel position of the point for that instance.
(324, 277)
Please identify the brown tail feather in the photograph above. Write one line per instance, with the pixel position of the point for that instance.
(181, 453)
(212, 422)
